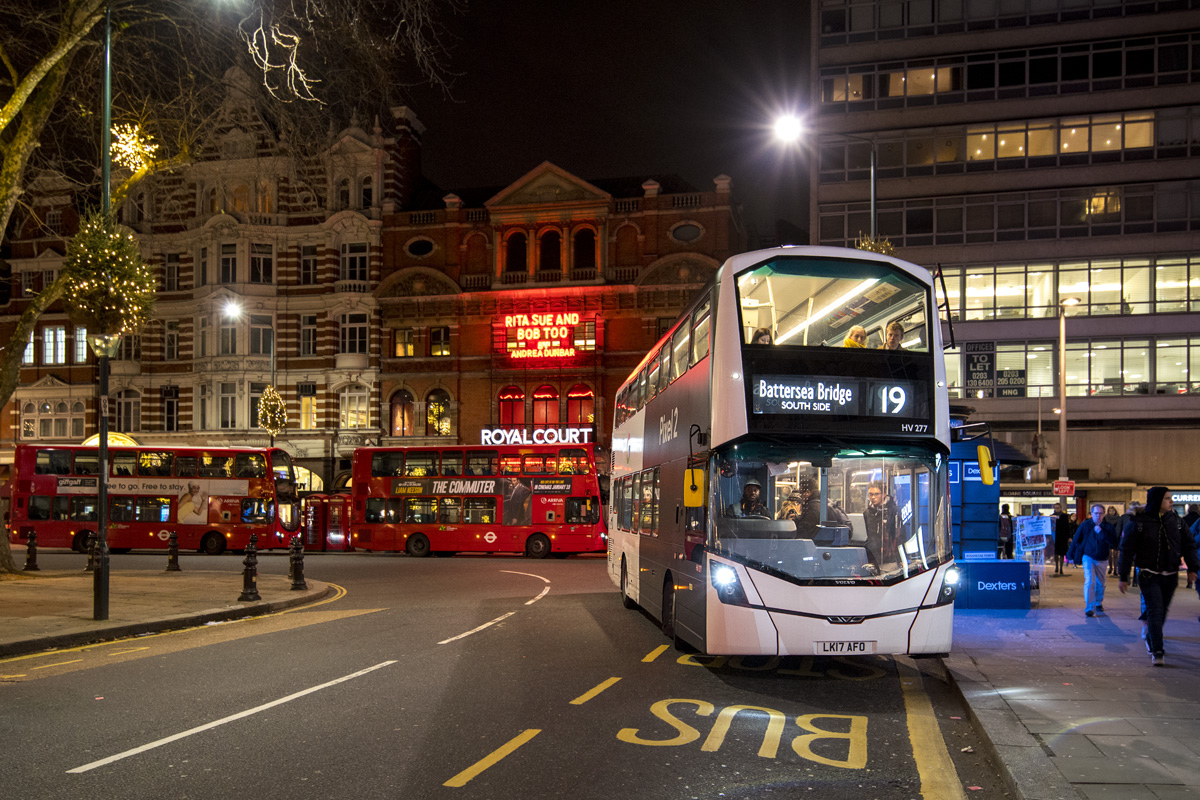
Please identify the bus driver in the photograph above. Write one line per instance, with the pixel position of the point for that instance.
(751, 504)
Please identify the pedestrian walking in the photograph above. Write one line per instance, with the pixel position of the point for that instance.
(1155, 540)
(1113, 518)
(1131, 509)
(1062, 537)
(1189, 519)
(1004, 547)
(1090, 548)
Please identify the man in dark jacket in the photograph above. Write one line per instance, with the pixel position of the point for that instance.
(1089, 549)
(1155, 540)
(881, 519)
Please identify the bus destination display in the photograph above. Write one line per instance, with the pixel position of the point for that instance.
(834, 396)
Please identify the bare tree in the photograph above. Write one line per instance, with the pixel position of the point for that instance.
(317, 60)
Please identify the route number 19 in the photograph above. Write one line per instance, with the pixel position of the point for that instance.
(892, 399)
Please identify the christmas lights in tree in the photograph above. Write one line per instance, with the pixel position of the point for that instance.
(132, 147)
(272, 413)
(110, 288)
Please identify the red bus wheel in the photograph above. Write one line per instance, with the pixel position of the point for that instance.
(212, 544)
(537, 546)
(418, 545)
(79, 543)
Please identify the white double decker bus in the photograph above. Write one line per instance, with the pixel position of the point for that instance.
(779, 477)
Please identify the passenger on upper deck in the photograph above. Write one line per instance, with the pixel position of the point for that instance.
(895, 332)
(761, 336)
(857, 337)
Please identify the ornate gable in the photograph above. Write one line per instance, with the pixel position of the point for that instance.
(548, 184)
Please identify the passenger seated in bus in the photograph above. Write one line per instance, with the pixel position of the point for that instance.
(761, 336)
(751, 504)
(857, 337)
(804, 509)
(895, 332)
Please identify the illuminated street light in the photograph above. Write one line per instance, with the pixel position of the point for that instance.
(788, 129)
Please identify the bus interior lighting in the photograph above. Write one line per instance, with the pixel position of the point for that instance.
(835, 305)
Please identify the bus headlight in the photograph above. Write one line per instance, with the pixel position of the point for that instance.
(950, 583)
(729, 588)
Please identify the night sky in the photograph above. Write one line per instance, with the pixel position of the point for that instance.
(623, 88)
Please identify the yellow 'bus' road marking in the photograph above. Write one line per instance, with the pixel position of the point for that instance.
(655, 653)
(59, 664)
(464, 777)
(588, 695)
(939, 780)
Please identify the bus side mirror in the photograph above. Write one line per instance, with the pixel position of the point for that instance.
(985, 464)
(693, 488)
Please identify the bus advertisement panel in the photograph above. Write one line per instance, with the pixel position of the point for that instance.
(780, 462)
(213, 498)
(538, 500)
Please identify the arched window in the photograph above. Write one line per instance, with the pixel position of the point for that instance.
(366, 193)
(585, 250)
(126, 413)
(353, 407)
(402, 407)
(512, 407)
(264, 197)
(210, 201)
(437, 413)
(239, 197)
(343, 193)
(551, 252)
(515, 261)
(581, 406)
(545, 407)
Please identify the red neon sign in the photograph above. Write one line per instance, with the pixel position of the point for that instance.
(542, 335)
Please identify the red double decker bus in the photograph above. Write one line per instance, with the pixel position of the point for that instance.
(212, 497)
(533, 499)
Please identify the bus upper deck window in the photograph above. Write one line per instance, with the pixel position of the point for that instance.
(573, 461)
(123, 464)
(387, 464)
(510, 465)
(452, 462)
(483, 462)
(421, 464)
(249, 465)
(539, 465)
(155, 464)
(700, 333)
(87, 462)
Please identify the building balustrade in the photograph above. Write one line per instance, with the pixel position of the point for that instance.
(359, 287)
(510, 278)
(548, 276)
(473, 283)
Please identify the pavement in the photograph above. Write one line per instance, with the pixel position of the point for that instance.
(1069, 706)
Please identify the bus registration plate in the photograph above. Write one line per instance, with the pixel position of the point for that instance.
(843, 648)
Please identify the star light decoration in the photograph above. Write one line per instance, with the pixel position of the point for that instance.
(272, 412)
(132, 147)
(110, 289)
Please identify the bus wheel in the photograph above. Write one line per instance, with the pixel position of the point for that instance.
(626, 600)
(212, 544)
(417, 546)
(537, 546)
(79, 543)
(668, 608)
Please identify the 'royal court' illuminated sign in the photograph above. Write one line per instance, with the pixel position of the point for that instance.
(541, 335)
(540, 436)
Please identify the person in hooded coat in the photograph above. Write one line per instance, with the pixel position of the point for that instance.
(1062, 537)
(1154, 540)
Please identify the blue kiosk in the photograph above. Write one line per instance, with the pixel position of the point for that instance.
(988, 582)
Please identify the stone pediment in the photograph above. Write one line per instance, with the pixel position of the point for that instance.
(50, 382)
(417, 282)
(679, 268)
(547, 184)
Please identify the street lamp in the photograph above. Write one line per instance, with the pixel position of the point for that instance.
(1063, 305)
(105, 346)
(233, 310)
(789, 129)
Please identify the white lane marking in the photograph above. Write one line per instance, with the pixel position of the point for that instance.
(545, 592)
(477, 630)
(526, 574)
(102, 762)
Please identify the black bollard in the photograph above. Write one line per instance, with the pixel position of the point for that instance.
(173, 553)
(250, 572)
(91, 551)
(296, 559)
(31, 553)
